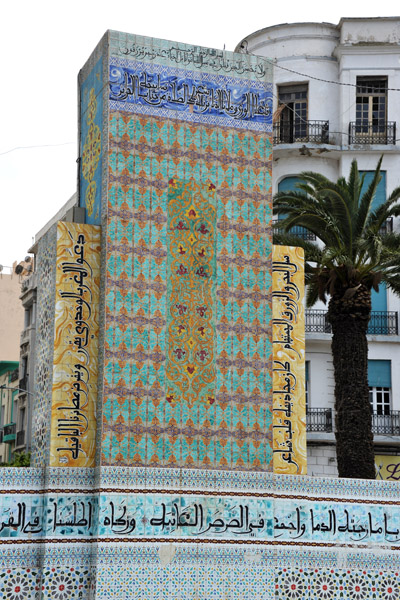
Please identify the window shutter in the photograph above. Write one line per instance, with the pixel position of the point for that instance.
(380, 194)
(379, 373)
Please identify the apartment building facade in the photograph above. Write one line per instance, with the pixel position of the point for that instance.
(336, 98)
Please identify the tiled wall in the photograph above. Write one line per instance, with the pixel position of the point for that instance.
(220, 413)
(315, 539)
(44, 347)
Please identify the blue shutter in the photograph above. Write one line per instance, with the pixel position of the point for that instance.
(379, 299)
(288, 184)
(380, 194)
(379, 373)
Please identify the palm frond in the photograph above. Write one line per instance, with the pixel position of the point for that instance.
(389, 208)
(365, 202)
(354, 248)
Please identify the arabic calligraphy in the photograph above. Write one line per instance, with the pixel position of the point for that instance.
(239, 102)
(166, 516)
(289, 442)
(387, 467)
(199, 57)
(337, 524)
(75, 349)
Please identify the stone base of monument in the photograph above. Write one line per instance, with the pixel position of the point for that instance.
(126, 533)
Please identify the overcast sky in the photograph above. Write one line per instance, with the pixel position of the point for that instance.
(43, 46)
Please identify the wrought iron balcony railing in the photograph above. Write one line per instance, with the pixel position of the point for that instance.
(381, 322)
(319, 419)
(317, 322)
(315, 132)
(297, 230)
(372, 132)
(388, 424)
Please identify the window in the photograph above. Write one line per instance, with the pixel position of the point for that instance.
(21, 419)
(371, 110)
(380, 400)
(380, 383)
(288, 184)
(380, 194)
(371, 102)
(29, 316)
(23, 382)
(307, 384)
(293, 116)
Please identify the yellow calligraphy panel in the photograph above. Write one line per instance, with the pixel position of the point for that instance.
(387, 467)
(75, 359)
(289, 410)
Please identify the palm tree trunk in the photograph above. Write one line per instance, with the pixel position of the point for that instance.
(354, 439)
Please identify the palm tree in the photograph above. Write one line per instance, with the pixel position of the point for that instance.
(352, 256)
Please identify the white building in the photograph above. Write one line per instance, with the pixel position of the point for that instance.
(339, 88)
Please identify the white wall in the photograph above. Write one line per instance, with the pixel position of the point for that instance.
(321, 385)
(321, 461)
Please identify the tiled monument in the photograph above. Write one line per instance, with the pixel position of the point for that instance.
(169, 419)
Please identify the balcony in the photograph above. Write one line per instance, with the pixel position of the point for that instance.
(374, 132)
(315, 132)
(296, 230)
(9, 432)
(388, 424)
(381, 322)
(319, 420)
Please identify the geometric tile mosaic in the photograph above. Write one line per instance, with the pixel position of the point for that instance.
(211, 130)
(122, 565)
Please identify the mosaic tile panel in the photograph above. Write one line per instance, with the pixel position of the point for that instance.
(174, 118)
(121, 564)
(201, 575)
(134, 373)
(135, 506)
(198, 517)
(91, 147)
(43, 372)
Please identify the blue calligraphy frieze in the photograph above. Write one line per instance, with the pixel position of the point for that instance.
(236, 99)
(114, 516)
